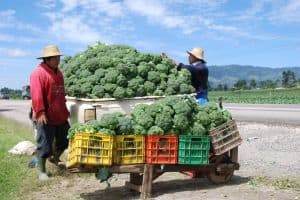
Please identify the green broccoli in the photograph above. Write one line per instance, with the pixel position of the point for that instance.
(143, 69)
(125, 126)
(107, 131)
(138, 129)
(119, 93)
(154, 76)
(181, 123)
(122, 81)
(202, 118)
(109, 121)
(135, 83)
(110, 88)
(98, 91)
(155, 130)
(158, 93)
(198, 129)
(141, 91)
(164, 120)
(162, 68)
(130, 92)
(150, 87)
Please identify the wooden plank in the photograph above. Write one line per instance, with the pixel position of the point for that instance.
(147, 180)
(179, 168)
(133, 186)
(127, 168)
(234, 154)
(150, 179)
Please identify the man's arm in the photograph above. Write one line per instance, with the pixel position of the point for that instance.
(37, 99)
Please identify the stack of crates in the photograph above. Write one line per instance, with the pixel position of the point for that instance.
(90, 150)
(129, 149)
(161, 149)
(193, 149)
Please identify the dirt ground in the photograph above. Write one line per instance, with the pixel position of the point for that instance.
(270, 169)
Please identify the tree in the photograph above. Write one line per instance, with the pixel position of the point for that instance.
(219, 87)
(288, 79)
(225, 87)
(253, 84)
(240, 84)
(267, 84)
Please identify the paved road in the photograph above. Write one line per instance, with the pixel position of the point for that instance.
(266, 113)
(16, 109)
(262, 113)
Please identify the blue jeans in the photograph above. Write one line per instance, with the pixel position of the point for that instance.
(202, 101)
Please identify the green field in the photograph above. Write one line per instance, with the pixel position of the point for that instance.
(274, 96)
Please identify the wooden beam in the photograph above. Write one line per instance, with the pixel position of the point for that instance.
(147, 182)
(127, 168)
(234, 154)
(134, 187)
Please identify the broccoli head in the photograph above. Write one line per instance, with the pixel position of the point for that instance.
(155, 130)
(119, 93)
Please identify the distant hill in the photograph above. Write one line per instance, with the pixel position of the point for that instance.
(229, 74)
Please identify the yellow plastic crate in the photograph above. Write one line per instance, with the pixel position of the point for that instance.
(129, 149)
(90, 150)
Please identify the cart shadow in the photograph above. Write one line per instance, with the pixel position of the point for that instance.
(161, 187)
(178, 185)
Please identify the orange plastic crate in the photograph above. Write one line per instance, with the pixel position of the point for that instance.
(161, 149)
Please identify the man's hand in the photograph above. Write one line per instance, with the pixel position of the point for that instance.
(42, 119)
(165, 55)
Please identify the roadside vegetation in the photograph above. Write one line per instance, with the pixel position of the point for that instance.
(258, 96)
(14, 172)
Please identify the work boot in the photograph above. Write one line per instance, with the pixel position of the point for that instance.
(43, 176)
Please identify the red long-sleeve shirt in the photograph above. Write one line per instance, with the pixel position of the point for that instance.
(48, 94)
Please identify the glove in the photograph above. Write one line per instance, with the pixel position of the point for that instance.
(179, 66)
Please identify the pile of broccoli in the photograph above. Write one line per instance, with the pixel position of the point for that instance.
(177, 115)
(119, 71)
(169, 116)
(111, 123)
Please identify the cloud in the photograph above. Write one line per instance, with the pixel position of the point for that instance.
(9, 21)
(6, 38)
(74, 29)
(158, 13)
(6, 17)
(94, 7)
(13, 52)
(289, 12)
(47, 4)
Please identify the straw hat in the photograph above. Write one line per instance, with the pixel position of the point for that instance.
(50, 51)
(198, 53)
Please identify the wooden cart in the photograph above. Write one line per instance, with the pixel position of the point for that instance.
(220, 170)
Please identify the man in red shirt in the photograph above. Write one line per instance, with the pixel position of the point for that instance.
(49, 109)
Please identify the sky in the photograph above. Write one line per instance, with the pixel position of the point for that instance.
(246, 32)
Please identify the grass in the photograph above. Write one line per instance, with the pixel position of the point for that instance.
(14, 172)
(279, 183)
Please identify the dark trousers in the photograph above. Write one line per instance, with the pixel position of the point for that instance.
(51, 138)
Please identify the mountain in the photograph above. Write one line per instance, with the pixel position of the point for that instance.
(229, 74)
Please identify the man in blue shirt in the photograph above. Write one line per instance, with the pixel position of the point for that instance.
(197, 67)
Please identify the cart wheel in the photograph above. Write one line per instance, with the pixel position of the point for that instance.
(220, 177)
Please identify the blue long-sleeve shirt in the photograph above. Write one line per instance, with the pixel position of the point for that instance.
(199, 73)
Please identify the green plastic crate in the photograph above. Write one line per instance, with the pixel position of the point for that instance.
(193, 149)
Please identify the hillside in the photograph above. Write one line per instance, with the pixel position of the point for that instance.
(229, 74)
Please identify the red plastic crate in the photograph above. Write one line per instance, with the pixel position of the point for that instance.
(161, 149)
